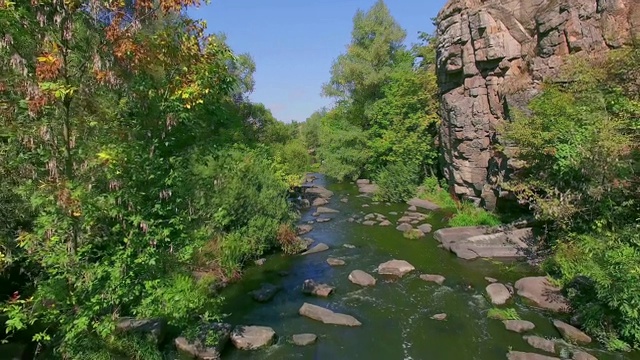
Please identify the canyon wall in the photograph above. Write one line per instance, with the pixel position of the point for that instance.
(492, 57)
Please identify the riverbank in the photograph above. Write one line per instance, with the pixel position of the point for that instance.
(396, 313)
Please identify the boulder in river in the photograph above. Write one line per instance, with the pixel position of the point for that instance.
(370, 216)
(412, 208)
(319, 247)
(369, 223)
(252, 337)
(518, 326)
(323, 220)
(542, 293)
(326, 210)
(519, 355)
(404, 227)
(405, 219)
(581, 355)
(361, 278)
(425, 228)
(438, 279)
(385, 223)
(541, 343)
(155, 328)
(395, 267)
(265, 293)
(439, 317)
(327, 316)
(470, 242)
(319, 202)
(349, 246)
(393, 213)
(197, 347)
(498, 293)
(304, 229)
(425, 204)
(304, 339)
(311, 287)
(335, 262)
(491, 280)
(319, 191)
(571, 333)
(365, 205)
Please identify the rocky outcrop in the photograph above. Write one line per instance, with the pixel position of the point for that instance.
(252, 337)
(471, 242)
(491, 57)
(438, 279)
(542, 293)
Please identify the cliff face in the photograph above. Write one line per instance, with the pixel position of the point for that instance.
(492, 56)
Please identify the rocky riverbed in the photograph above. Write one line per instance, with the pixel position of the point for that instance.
(364, 289)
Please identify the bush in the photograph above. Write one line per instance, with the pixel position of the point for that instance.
(470, 215)
(434, 191)
(600, 273)
(396, 182)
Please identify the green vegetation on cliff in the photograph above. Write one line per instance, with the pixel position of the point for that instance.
(580, 147)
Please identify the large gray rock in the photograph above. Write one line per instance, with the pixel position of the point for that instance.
(252, 337)
(319, 191)
(265, 293)
(304, 339)
(404, 227)
(425, 228)
(438, 279)
(519, 355)
(335, 262)
(326, 210)
(395, 267)
(361, 278)
(319, 247)
(539, 291)
(518, 326)
(571, 333)
(424, 204)
(541, 343)
(319, 202)
(303, 229)
(327, 316)
(492, 56)
(154, 328)
(581, 355)
(471, 242)
(197, 348)
(498, 293)
(311, 287)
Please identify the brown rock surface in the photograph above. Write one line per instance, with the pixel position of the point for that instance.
(492, 56)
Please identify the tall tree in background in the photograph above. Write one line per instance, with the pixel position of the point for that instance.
(358, 75)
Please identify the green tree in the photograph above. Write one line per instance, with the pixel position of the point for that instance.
(358, 75)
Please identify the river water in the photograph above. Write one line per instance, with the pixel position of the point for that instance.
(395, 314)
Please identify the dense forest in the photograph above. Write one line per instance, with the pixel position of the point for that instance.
(132, 158)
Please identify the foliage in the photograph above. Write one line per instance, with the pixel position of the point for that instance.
(343, 148)
(436, 191)
(386, 109)
(580, 148)
(118, 120)
(503, 314)
(467, 214)
(396, 183)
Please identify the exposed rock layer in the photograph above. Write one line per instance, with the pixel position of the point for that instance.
(491, 57)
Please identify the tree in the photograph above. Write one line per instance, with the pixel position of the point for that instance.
(357, 76)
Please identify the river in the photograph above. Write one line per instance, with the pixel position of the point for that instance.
(396, 313)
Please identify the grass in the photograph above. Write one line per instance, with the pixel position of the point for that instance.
(503, 314)
(464, 213)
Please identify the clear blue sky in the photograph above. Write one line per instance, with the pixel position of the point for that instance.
(294, 42)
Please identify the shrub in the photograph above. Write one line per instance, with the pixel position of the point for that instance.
(470, 215)
(396, 182)
(433, 190)
(503, 314)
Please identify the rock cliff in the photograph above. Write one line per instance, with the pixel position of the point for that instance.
(491, 57)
